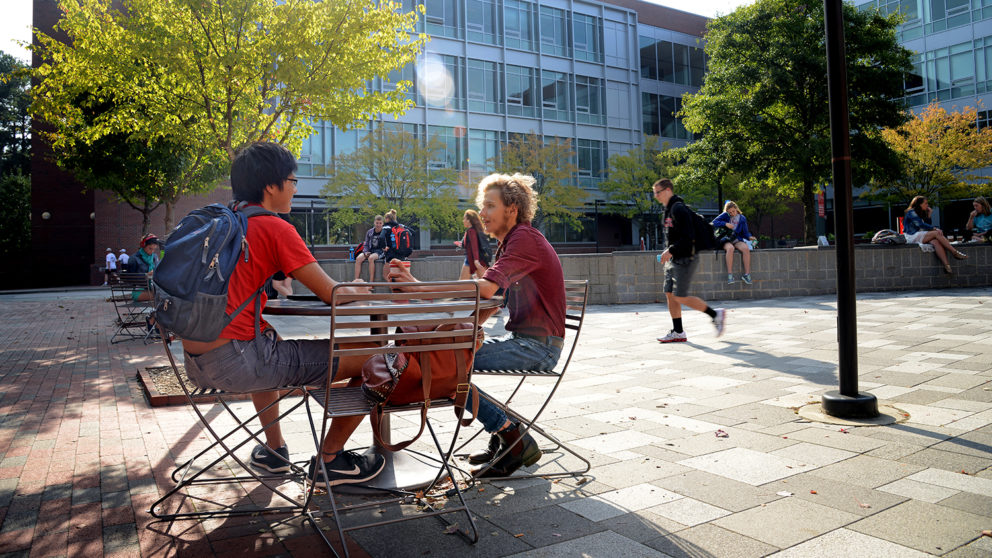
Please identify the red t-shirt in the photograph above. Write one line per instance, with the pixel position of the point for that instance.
(273, 245)
(528, 269)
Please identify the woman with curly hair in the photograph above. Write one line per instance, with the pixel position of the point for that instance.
(918, 231)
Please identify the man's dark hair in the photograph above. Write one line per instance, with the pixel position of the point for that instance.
(258, 165)
(663, 183)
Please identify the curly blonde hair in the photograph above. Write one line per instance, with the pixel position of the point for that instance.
(516, 190)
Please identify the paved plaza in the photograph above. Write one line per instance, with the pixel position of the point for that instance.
(697, 448)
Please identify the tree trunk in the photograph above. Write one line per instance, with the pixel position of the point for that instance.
(170, 207)
(146, 216)
(809, 212)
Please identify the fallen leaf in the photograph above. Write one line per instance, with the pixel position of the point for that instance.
(783, 493)
(812, 492)
(844, 431)
(721, 434)
(987, 533)
(582, 481)
(555, 534)
(518, 535)
(451, 529)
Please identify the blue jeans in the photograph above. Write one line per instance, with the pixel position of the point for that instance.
(514, 353)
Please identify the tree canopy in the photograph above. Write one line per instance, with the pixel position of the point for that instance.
(940, 152)
(393, 169)
(551, 161)
(763, 108)
(226, 73)
(15, 124)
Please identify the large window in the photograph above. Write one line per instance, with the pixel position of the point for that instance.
(454, 147)
(555, 96)
(590, 154)
(522, 91)
(681, 56)
(983, 59)
(697, 66)
(951, 72)
(483, 150)
(587, 38)
(441, 81)
(561, 232)
(519, 24)
(443, 18)
(588, 100)
(618, 104)
(554, 31)
(945, 14)
(405, 73)
(659, 116)
(984, 119)
(615, 43)
(484, 89)
(649, 115)
(649, 57)
(482, 21)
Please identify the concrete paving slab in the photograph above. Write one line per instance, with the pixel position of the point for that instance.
(946, 528)
(786, 521)
(596, 545)
(868, 471)
(745, 465)
(850, 544)
(618, 502)
(709, 540)
(843, 496)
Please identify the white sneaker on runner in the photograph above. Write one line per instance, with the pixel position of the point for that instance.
(719, 320)
(673, 337)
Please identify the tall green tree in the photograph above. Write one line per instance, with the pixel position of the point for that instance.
(393, 170)
(551, 161)
(763, 108)
(222, 74)
(941, 153)
(628, 183)
(15, 124)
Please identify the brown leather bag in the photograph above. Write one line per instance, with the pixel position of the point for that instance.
(403, 378)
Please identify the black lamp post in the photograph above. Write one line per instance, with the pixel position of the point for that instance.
(846, 402)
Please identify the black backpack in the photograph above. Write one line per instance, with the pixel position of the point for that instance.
(702, 231)
(485, 250)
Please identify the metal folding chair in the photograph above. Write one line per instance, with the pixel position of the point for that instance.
(576, 298)
(453, 306)
(202, 468)
(131, 315)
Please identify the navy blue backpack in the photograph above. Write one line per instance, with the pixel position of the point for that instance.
(190, 283)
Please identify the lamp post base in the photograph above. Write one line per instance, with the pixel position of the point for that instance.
(862, 405)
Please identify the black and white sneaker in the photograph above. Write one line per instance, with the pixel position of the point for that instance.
(348, 467)
(273, 461)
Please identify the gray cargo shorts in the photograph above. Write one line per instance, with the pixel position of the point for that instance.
(678, 275)
(238, 366)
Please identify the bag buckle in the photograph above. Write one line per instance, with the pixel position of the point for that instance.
(463, 388)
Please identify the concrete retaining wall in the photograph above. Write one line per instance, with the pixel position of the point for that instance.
(636, 277)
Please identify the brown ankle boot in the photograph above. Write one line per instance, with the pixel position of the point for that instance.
(486, 455)
(523, 452)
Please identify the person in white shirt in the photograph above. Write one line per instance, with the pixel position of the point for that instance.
(122, 259)
(111, 266)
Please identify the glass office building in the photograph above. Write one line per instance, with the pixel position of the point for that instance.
(952, 64)
(600, 74)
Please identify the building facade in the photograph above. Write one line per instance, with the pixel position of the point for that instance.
(599, 74)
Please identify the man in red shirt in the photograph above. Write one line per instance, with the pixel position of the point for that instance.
(528, 271)
(240, 360)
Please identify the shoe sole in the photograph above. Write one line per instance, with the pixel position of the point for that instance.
(264, 467)
(353, 480)
(480, 461)
(673, 341)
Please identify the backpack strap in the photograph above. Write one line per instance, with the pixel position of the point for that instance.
(248, 211)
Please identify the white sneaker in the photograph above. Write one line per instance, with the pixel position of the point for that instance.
(719, 321)
(673, 337)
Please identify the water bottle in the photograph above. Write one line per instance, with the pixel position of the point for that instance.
(351, 253)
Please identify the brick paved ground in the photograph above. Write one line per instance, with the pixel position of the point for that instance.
(82, 456)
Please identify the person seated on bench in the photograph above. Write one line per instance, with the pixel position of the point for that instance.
(264, 174)
(145, 261)
(979, 221)
(527, 269)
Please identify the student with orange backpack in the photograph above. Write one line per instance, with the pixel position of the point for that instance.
(399, 243)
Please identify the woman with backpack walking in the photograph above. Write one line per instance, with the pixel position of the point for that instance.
(476, 245)
(732, 233)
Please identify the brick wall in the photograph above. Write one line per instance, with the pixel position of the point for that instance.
(636, 277)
